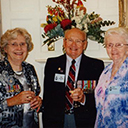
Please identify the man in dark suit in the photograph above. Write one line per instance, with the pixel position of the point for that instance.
(55, 82)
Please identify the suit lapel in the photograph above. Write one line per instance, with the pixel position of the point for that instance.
(62, 64)
(82, 69)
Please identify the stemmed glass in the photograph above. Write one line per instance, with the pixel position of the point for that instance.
(75, 104)
(28, 88)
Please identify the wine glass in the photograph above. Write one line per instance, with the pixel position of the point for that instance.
(28, 87)
(75, 103)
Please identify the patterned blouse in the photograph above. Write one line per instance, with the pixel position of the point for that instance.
(12, 117)
(112, 98)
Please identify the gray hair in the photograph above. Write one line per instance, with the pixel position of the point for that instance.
(121, 31)
(12, 34)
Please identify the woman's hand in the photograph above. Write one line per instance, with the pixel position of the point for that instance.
(21, 98)
(36, 102)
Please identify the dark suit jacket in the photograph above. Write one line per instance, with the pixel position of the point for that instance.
(54, 92)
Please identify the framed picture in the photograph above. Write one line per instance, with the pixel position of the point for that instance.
(123, 13)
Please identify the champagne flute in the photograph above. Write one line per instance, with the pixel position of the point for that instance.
(28, 87)
(75, 104)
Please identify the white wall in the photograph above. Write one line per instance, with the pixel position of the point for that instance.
(31, 13)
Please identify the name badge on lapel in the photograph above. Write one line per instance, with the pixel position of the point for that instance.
(59, 78)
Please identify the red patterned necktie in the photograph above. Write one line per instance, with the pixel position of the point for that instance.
(70, 85)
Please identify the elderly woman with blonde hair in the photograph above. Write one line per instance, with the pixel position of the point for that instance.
(19, 87)
(111, 93)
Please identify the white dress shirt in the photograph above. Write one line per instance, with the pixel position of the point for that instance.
(77, 65)
(68, 64)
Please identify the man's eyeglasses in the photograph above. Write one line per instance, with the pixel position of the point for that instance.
(117, 45)
(15, 45)
(77, 41)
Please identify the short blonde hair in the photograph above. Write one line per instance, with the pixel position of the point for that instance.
(12, 34)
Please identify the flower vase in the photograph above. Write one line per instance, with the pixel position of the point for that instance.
(51, 47)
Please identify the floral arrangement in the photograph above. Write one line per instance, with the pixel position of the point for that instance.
(72, 13)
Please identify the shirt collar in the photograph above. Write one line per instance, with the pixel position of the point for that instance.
(69, 59)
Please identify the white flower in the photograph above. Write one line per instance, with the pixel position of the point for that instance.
(77, 19)
(85, 28)
(79, 26)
